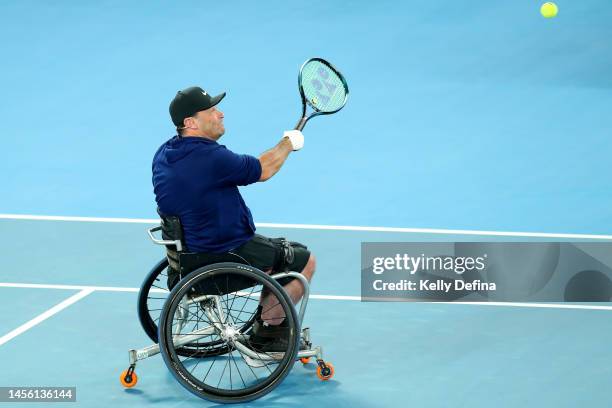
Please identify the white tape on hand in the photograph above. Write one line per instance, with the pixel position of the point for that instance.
(296, 138)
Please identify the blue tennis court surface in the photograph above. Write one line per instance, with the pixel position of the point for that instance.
(465, 120)
(384, 353)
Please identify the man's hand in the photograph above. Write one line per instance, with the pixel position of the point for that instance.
(296, 138)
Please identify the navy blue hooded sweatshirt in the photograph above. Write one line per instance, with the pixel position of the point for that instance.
(196, 179)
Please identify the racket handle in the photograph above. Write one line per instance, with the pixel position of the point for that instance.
(300, 125)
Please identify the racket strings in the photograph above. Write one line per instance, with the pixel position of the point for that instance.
(323, 89)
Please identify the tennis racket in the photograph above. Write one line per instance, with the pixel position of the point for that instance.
(322, 87)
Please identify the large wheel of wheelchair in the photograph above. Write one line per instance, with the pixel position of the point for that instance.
(212, 304)
(151, 299)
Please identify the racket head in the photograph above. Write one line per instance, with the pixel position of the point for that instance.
(322, 87)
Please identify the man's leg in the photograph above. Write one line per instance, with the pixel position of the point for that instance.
(272, 313)
(263, 253)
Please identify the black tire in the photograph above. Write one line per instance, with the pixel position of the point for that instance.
(151, 304)
(239, 306)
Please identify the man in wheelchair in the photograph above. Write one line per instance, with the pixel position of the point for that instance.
(196, 183)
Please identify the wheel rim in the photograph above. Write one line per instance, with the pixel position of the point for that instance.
(151, 299)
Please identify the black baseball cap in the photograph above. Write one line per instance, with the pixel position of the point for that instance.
(189, 101)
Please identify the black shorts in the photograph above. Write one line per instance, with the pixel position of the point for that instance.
(268, 254)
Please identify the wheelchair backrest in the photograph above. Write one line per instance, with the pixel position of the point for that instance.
(172, 230)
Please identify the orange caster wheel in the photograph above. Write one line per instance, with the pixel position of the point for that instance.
(128, 378)
(305, 360)
(325, 371)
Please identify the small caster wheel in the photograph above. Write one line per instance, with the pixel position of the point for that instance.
(128, 378)
(325, 371)
(305, 360)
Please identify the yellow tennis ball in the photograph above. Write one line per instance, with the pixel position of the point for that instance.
(549, 10)
(314, 100)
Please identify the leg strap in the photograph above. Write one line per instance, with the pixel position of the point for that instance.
(284, 253)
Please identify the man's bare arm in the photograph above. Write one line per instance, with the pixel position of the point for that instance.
(272, 160)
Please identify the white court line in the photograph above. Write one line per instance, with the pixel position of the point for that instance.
(90, 289)
(69, 287)
(537, 305)
(136, 290)
(42, 317)
(324, 227)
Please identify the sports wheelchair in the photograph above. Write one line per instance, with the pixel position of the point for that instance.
(202, 319)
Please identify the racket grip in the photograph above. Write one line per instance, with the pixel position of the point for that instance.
(300, 125)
